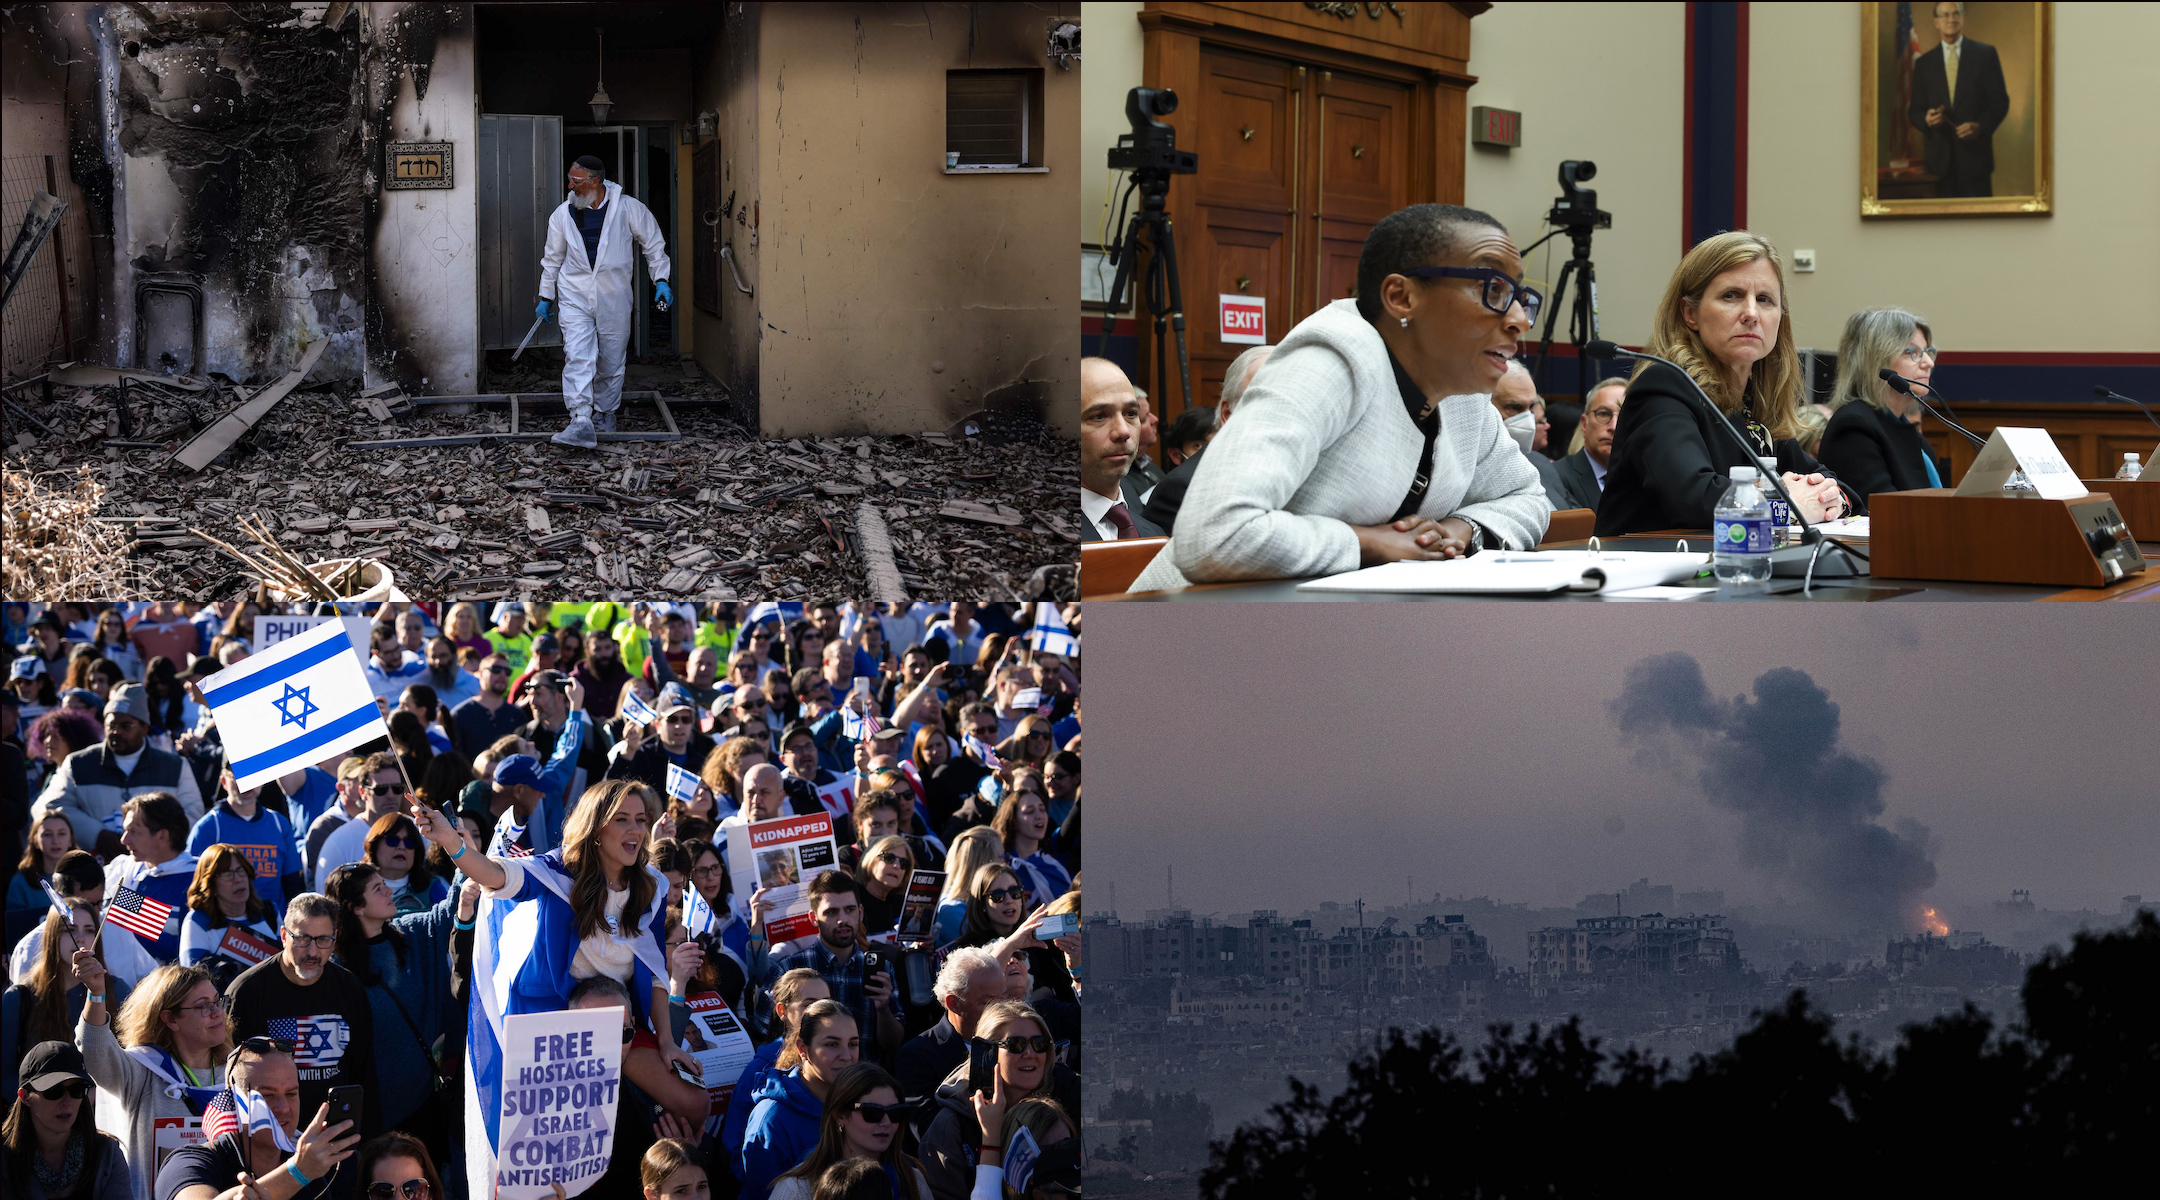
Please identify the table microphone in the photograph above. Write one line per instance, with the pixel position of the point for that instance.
(1898, 383)
(2105, 394)
(1808, 533)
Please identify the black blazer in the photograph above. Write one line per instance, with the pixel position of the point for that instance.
(1873, 451)
(1981, 97)
(1581, 480)
(1670, 458)
(1129, 490)
(1556, 489)
(1163, 502)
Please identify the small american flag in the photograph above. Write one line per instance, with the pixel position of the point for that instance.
(506, 839)
(221, 1116)
(138, 914)
(864, 726)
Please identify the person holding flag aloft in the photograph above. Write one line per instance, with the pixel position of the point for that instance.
(256, 1148)
(596, 906)
(159, 1064)
(679, 743)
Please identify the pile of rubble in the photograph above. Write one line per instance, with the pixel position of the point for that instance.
(440, 494)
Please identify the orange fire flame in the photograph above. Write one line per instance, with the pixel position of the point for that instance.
(1930, 923)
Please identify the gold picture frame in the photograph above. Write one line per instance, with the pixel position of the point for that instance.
(1907, 172)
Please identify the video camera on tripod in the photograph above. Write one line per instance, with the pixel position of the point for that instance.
(1150, 154)
(1577, 215)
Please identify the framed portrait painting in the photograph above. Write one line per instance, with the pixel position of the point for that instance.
(1957, 109)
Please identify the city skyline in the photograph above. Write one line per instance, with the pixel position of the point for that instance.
(1290, 771)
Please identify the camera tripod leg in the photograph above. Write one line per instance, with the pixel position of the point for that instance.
(1168, 242)
(1552, 317)
(1117, 293)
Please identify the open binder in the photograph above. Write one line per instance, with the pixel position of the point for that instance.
(1521, 572)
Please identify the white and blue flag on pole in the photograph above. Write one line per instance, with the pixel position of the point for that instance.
(295, 704)
(1051, 634)
(681, 784)
(770, 610)
(729, 934)
(635, 708)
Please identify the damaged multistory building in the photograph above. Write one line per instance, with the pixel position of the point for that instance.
(856, 197)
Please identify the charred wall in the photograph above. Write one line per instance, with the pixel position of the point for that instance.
(243, 175)
(726, 344)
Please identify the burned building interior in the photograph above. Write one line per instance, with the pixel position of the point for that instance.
(364, 189)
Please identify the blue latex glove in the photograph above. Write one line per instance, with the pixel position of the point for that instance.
(546, 310)
(667, 294)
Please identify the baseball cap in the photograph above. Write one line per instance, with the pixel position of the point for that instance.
(674, 698)
(516, 769)
(551, 678)
(29, 666)
(546, 644)
(50, 1064)
(84, 699)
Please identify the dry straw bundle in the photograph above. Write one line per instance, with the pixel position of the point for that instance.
(52, 547)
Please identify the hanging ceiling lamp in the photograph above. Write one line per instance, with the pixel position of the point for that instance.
(600, 102)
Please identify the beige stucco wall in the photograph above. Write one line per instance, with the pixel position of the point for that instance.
(726, 346)
(895, 297)
(1596, 81)
(426, 248)
(1975, 278)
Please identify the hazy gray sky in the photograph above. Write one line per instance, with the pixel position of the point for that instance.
(1281, 755)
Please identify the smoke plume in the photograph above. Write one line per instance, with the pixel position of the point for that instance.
(1807, 808)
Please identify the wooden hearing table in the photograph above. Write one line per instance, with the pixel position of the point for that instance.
(2145, 585)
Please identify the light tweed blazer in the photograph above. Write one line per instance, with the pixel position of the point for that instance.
(1321, 442)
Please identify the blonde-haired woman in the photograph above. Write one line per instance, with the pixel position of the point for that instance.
(1027, 1068)
(1873, 441)
(1724, 321)
(160, 1060)
(975, 847)
(462, 626)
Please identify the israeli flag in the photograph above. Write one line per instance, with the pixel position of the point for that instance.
(681, 784)
(295, 704)
(731, 935)
(1051, 633)
(637, 710)
(769, 610)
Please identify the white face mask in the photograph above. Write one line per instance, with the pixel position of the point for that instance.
(1523, 428)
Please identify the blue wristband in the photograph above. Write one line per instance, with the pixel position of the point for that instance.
(460, 854)
(292, 1168)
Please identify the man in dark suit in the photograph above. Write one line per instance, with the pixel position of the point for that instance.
(1110, 420)
(1958, 99)
(1517, 399)
(1163, 503)
(1583, 472)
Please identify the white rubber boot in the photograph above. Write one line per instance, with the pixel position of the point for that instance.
(605, 421)
(580, 432)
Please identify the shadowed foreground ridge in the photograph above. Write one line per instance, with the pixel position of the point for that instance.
(2060, 1105)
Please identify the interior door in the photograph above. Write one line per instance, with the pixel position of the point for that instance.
(519, 180)
(1360, 143)
(1249, 114)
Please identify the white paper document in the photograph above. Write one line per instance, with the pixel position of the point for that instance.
(1854, 527)
(2029, 450)
(1503, 572)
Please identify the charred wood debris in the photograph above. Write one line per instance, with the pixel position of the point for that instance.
(979, 509)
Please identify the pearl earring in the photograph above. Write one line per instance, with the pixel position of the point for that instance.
(1406, 322)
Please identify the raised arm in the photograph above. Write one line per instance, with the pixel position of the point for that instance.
(478, 867)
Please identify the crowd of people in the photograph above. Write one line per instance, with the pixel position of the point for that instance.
(278, 991)
(1402, 424)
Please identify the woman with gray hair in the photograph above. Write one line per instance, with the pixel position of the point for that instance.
(1873, 440)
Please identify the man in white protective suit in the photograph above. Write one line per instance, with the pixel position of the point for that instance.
(587, 270)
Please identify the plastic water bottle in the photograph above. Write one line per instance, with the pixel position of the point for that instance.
(1741, 531)
(2130, 468)
(1780, 512)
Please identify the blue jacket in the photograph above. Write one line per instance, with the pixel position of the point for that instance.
(744, 1097)
(783, 1130)
(404, 1070)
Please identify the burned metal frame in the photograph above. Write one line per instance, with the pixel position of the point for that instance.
(517, 402)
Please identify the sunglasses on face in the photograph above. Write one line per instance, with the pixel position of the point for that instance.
(389, 789)
(628, 1032)
(1001, 895)
(1017, 1043)
(398, 840)
(411, 1189)
(878, 1114)
(708, 873)
(71, 1089)
(258, 1045)
(498, 670)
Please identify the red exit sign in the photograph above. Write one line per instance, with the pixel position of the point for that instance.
(1495, 127)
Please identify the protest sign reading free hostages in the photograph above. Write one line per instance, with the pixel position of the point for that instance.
(561, 1077)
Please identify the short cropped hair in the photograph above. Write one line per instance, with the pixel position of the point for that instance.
(161, 811)
(963, 965)
(1418, 236)
(307, 906)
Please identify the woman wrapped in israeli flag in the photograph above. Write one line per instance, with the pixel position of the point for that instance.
(596, 906)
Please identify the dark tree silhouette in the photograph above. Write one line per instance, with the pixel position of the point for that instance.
(2061, 1105)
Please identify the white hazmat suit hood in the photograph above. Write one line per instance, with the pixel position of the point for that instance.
(594, 299)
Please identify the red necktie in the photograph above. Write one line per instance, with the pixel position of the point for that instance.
(1121, 518)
